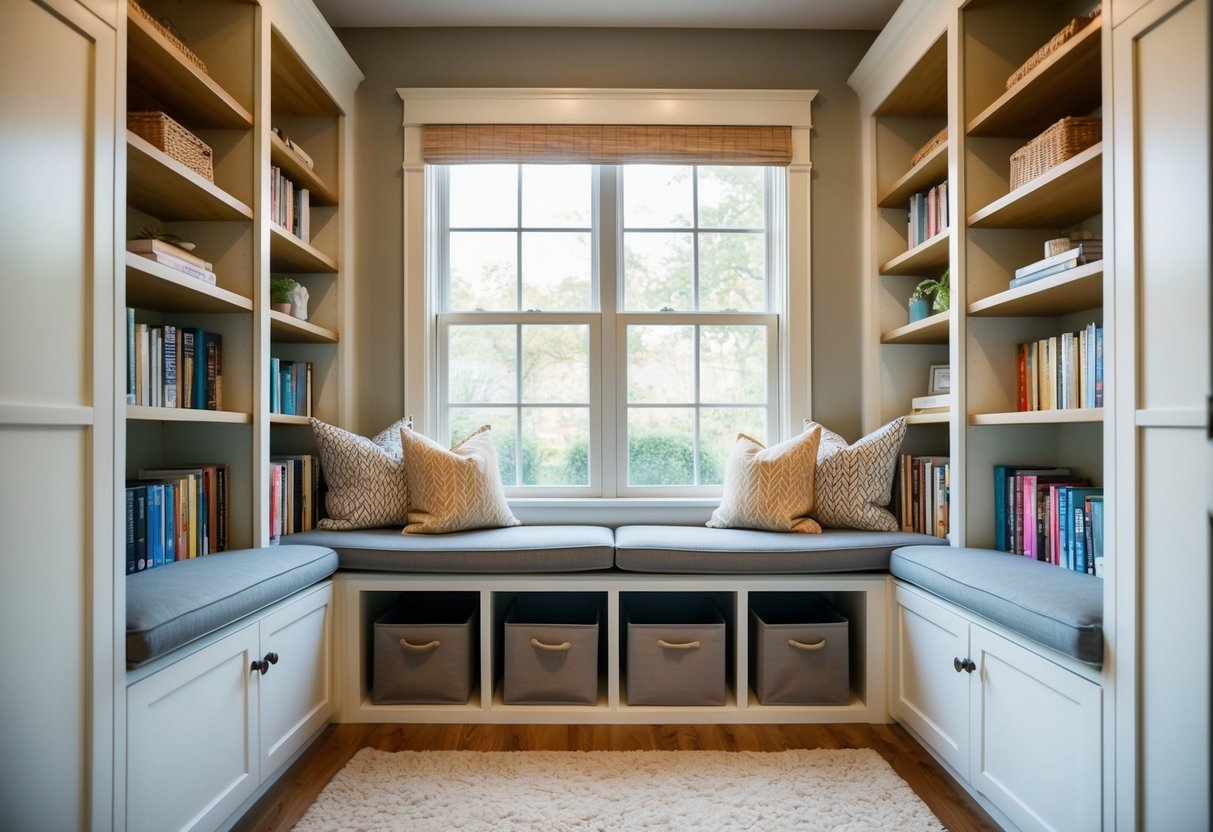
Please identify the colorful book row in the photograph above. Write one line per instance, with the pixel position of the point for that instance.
(1049, 515)
(174, 514)
(1062, 371)
(925, 485)
(290, 205)
(928, 214)
(295, 494)
(172, 366)
(291, 387)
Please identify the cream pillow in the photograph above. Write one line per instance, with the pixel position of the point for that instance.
(855, 482)
(453, 490)
(365, 477)
(769, 488)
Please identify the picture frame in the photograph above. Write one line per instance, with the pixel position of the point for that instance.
(940, 379)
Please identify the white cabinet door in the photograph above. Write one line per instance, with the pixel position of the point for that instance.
(930, 695)
(191, 742)
(296, 691)
(1035, 731)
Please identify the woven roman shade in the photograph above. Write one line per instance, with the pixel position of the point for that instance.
(606, 144)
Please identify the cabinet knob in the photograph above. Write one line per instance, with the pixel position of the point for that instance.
(966, 664)
(272, 658)
(260, 666)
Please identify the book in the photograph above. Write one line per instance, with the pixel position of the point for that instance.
(1081, 252)
(177, 265)
(130, 530)
(935, 403)
(275, 384)
(210, 384)
(140, 526)
(170, 365)
(151, 245)
(131, 378)
(1095, 501)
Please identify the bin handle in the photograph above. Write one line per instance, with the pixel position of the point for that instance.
(800, 645)
(562, 647)
(428, 647)
(686, 645)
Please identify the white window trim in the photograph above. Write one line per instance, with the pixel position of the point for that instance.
(790, 108)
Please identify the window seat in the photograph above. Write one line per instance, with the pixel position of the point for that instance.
(1051, 606)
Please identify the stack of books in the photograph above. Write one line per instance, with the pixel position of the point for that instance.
(938, 403)
(290, 205)
(173, 366)
(295, 494)
(1063, 371)
(174, 257)
(1086, 251)
(925, 484)
(928, 214)
(174, 514)
(290, 387)
(1049, 515)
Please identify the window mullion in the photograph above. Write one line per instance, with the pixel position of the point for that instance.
(609, 419)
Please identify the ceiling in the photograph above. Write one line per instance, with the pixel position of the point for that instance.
(709, 14)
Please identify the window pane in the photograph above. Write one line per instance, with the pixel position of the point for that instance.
(657, 271)
(657, 196)
(732, 272)
(482, 364)
(556, 196)
(556, 363)
(556, 267)
(661, 446)
(732, 197)
(504, 421)
(555, 446)
(718, 429)
(484, 270)
(733, 364)
(661, 366)
(484, 196)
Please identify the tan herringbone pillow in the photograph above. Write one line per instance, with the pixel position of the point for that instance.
(769, 488)
(365, 477)
(453, 490)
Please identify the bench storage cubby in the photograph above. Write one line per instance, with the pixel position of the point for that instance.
(425, 649)
(676, 648)
(799, 648)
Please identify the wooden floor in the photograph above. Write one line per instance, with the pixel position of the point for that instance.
(290, 797)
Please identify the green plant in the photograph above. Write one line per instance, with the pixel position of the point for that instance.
(159, 232)
(938, 289)
(281, 287)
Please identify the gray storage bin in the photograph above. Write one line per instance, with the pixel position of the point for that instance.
(676, 651)
(425, 650)
(550, 650)
(798, 651)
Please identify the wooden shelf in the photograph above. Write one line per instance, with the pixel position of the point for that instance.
(1074, 290)
(180, 414)
(1067, 194)
(159, 68)
(290, 254)
(303, 176)
(924, 89)
(289, 329)
(929, 418)
(161, 186)
(284, 419)
(930, 330)
(152, 285)
(1067, 83)
(293, 88)
(930, 171)
(1076, 415)
(926, 258)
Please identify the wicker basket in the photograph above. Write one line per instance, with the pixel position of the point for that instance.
(165, 134)
(936, 140)
(1061, 141)
(1071, 29)
(169, 35)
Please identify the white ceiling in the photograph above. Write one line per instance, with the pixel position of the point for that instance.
(710, 14)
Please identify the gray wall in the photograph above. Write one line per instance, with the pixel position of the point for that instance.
(544, 57)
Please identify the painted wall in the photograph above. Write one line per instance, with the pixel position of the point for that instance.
(545, 57)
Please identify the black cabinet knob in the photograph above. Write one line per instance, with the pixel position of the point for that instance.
(272, 658)
(966, 664)
(260, 666)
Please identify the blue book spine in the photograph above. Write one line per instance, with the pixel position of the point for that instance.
(1000, 508)
(1063, 526)
(170, 523)
(1080, 541)
(130, 530)
(275, 385)
(288, 388)
(155, 525)
(1097, 536)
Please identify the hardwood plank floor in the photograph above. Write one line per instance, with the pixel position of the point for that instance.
(289, 798)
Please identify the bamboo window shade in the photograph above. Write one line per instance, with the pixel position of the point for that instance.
(606, 144)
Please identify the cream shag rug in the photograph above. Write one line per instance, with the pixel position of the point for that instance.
(578, 791)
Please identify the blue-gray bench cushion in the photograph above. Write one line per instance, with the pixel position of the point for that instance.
(174, 604)
(510, 549)
(698, 549)
(1055, 607)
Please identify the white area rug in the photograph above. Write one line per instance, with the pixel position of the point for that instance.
(576, 791)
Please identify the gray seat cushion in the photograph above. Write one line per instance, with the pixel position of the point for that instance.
(510, 549)
(174, 604)
(746, 551)
(1055, 607)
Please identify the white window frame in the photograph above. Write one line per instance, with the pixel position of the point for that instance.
(791, 108)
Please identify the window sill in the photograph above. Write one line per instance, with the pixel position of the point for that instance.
(614, 511)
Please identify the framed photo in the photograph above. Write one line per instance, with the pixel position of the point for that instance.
(941, 379)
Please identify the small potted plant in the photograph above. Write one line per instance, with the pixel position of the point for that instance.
(937, 290)
(280, 293)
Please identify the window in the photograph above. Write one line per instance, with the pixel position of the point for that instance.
(616, 325)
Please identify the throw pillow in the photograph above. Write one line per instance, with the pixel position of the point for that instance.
(769, 488)
(365, 477)
(855, 482)
(453, 490)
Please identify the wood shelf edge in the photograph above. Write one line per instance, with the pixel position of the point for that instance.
(1003, 303)
(893, 196)
(175, 168)
(1074, 415)
(920, 250)
(1031, 188)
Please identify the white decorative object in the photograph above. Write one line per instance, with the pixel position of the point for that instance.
(299, 302)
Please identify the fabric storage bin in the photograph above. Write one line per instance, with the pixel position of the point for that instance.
(798, 651)
(425, 650)
(676, 651)
(550, 650)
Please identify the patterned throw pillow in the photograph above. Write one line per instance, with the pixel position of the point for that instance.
(769, 488)
(365, 477)
(855, 482)
(454, 490)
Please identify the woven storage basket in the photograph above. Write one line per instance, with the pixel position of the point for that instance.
(169, 35)
(1061, 141)
(165, 134)
(936, 140)
(1071, 29)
